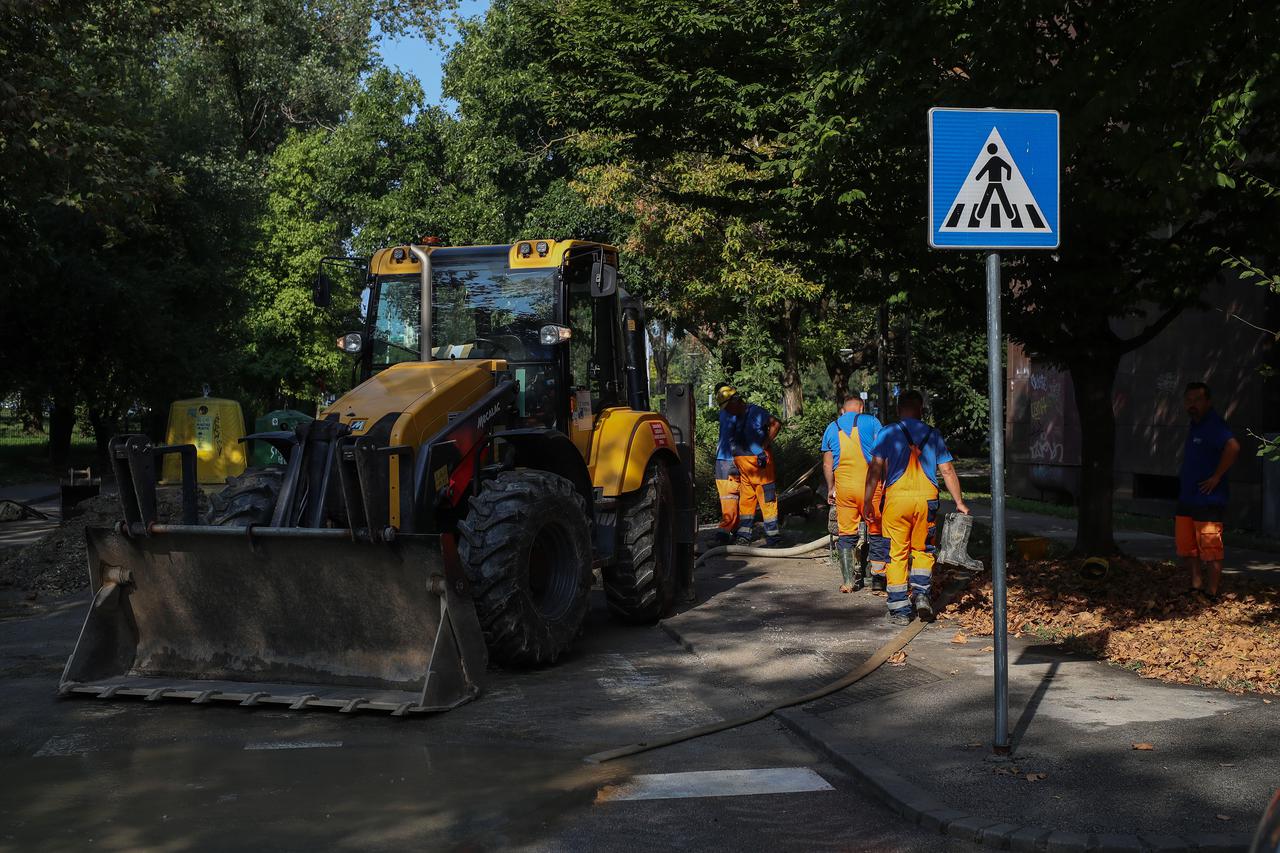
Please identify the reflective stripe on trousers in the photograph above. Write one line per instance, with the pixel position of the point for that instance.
(910, 510)
(756, 487)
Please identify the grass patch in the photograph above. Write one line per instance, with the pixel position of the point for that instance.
(24, 456)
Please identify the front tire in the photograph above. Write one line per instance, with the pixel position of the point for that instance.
(640, 585)
(249, 498)
(526, 547)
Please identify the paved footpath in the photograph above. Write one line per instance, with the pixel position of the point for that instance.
(1263, 565)
(918, 735)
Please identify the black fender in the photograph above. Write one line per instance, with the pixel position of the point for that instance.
(552, 451)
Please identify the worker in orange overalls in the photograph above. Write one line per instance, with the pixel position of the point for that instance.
(907, 459)
(726, 472)
(753, 434)
(846, 454)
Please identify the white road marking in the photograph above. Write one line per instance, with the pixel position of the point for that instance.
(715, 783)
(292, 744)
(71, 744)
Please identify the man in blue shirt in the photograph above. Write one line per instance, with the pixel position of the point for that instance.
(846, 453)
(908, 458)
(1210, 451)
(753, 434)
(726, 472)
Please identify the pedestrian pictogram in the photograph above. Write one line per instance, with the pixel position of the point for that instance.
(994, 196)
(993, 179)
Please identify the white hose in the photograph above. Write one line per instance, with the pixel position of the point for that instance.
(823, 541)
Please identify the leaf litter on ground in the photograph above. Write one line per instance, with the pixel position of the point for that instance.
(1143, 616)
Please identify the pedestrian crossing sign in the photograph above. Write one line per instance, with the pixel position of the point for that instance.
(993, 179)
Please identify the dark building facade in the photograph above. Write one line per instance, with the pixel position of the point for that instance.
(1216, 343)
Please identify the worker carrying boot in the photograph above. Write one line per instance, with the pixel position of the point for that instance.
(753, 435)
(907, 459)
(846, 454)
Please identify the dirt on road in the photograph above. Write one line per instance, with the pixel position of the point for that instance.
(56, 565)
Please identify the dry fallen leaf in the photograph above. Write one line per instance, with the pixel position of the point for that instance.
(1266, 701)
(1036, 777)
(898, 658)
(1223, 816)
(988, 648)
(1144, 747)
(959, 639)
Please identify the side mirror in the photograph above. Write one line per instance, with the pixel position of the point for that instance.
(322, 290)
(604, 279)
(552, 334)
(351, 342)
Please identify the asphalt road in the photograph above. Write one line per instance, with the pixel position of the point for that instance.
(504, 772)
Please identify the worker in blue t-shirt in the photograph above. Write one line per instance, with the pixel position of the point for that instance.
(1210, 452)
(726, 472)
(846, 453)
(753, 434)
(908, 458)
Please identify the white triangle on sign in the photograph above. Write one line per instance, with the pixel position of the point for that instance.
(994, 198)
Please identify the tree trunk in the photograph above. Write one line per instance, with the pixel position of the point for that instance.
(839, 370)
(62, 422)
(1093, 380)
(792, 390)
(103, 428)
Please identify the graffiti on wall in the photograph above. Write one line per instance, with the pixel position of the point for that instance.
(1048, 416)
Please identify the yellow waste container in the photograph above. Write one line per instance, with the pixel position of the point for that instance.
(215, 427)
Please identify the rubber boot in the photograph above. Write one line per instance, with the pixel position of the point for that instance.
(878, 583)
(846, 557)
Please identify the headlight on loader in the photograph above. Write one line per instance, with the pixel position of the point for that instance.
(351, 342)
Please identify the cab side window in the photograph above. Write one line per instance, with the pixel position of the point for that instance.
(592, 349)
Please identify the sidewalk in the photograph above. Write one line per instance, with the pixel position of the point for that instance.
(45, 497)
(1263, 565)
(919, 734)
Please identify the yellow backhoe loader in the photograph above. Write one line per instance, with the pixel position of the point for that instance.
(452, 507)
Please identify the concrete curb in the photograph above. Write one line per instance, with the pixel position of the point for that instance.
(925, 810)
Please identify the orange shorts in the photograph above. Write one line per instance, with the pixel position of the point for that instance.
(1201, 539)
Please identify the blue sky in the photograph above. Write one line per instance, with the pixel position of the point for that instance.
(422, 59)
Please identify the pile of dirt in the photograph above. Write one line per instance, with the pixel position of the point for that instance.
(1143, 616)
(57, 564)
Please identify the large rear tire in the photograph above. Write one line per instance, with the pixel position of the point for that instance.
(249, 498)
(526, 547)
(640, 585)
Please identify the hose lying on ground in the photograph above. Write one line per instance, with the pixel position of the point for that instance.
(958, 582)
(823, 541)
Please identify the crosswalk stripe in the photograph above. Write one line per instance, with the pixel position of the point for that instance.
(253, 746)
(715, 783)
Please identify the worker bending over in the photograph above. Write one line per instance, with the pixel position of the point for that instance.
(726, 473)
(846, 455)
(753, 434)
(908, 457)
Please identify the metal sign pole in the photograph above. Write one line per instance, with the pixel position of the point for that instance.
(995, 383)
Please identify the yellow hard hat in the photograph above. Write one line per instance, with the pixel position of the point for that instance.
(725, 394)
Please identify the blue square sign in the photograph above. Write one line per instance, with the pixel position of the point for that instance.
(993, 179)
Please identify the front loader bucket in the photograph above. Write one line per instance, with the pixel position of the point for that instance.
(305, 618)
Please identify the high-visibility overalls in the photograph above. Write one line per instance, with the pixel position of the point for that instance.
(756, 486)
(727, 487)
(910, 509)
(851, 486)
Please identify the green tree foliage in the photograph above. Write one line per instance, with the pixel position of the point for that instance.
(134, 146)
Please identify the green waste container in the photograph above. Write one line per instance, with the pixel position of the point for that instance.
(281, 419)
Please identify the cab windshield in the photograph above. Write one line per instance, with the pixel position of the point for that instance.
(480, 309)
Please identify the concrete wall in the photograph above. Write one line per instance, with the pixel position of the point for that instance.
(1208, 345)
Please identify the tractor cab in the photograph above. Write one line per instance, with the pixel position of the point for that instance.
(551, 310)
